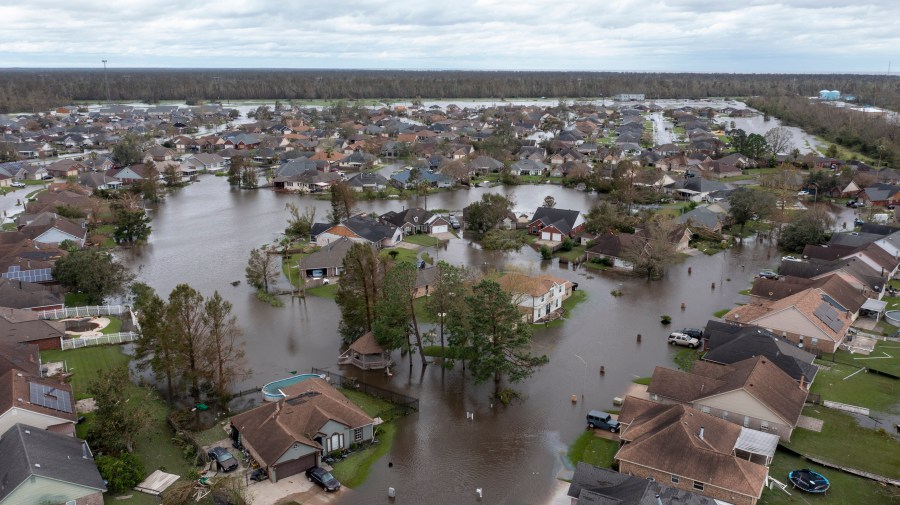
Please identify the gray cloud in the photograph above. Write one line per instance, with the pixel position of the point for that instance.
(671, 35)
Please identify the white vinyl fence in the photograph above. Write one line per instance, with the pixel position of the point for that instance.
(111, 338)
(92, 310)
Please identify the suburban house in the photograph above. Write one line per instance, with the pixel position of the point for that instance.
(40, 466)
(368, 181)
(208, 162)
(552, 224)
(538, 297)
(693, 451)
(130, 175)
(21, 326)
(49, 228)
(697, 189)
(598, 486)
(702, 218)
(98, 181)
(404, 179)
(43, 403)
(411, 221)
(527, 167)
(809, 318)
(289, 436)
(425, 280)
(366, 354)
(616, 247)
(728, 344)
(359, 228)
(65, 168)
(754, 393)
(858, 274)
(881, 194)
(18, 294)
(847, 298)
(327, 261)
(309, 181)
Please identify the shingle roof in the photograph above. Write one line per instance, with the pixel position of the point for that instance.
(28, 451)
(729, 343)
(23, 295)
(24, 357)
(329, 256)
(599, 486)
(667, 438)
(17, 325)
(366, 344)
(562, 219)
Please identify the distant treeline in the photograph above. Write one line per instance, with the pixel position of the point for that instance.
(27, 90)
(868, 133)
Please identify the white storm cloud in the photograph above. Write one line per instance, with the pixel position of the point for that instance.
(672, 35)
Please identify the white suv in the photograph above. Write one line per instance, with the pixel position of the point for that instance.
(679, 338)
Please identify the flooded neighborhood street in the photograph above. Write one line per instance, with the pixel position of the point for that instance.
(203, 233)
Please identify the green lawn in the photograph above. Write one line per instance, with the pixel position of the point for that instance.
(645, 381)
(876, 392)
(370, 404)
(568, 304)
(353, 471)
(720, 313)
(402, 255)
(75, 300)
(576, 253)
(114, 326)
(685, 359)
(593, 450)
(85, 364)
(885, 357)
(290, 267)
(845, 489)
(324, 291)
(422, 239)
(843, 442)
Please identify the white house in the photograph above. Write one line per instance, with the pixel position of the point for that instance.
(537, 297)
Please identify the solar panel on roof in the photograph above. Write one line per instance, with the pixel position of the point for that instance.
(39, 275)
(829, 316)
(50, 397)
(831, 301)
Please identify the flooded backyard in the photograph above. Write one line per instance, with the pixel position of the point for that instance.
(202, 236)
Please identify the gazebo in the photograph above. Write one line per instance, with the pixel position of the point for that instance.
(366, 354)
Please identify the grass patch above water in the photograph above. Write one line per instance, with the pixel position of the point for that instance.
(354, 470)
(568, 304)
(642, 380)
(114, 326)
(593, 450)
(685, 359)
(86, 363)
(721, 313)
(324, 291)
(869, 390)
(422, 239)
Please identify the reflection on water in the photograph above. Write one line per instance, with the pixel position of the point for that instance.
(203, 233)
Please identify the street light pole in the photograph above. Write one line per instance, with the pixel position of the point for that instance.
(583, 375)
(106, 80)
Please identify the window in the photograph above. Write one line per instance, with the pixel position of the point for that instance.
(746, 421)
(815, 341)
(675, 479)
(698, 486)
(764, 426)
(705, 410)
(357, 435)
(335, 442)
(654, 397)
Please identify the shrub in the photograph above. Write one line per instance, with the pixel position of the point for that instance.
(503, 240)
(665, 319)
(567, 244)
(546, 253)
(122, 473)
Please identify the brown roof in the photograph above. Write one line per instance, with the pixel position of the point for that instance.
(15, 392)
(805, 302)
(827, 253)
(667, 438)
(757, 376)
(514, 282)
(616, 245)
(17, 325)
(25, 357)
(366, 344)
(271, 429)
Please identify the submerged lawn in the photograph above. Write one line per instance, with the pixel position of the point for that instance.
(354, 470)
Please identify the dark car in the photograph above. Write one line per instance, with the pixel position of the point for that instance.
(768, 274)
(602, 420)
(224, 460)
(693, 332)
(454, 222)
(323, 478)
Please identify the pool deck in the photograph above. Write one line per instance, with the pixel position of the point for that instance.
(272, 391)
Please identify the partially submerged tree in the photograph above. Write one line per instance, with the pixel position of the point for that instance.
(235, 169)
(156, 348)
(487, 213)
(780, 140)
(262, 268)
(749, 203)
(808, 228)
(651, 255)
(226, 351)
(448, 295)
(185, 318)
(343, 202)
(395, 314)
(94, 273)
(360, 289)
(300, 223)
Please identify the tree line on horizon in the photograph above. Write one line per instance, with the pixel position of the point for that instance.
(33, 90)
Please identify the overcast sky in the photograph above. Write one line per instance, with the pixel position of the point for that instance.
(672, 35)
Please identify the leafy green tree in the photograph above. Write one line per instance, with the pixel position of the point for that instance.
(249, 178)
(808, 228)
(447, 297)
(360, 289)
(149, 187)
(235, 169)
(185, 319)
(395, 315)
(122, 472)
(156, 348)
(300, 223)
(171, 175)
(119, 421)
(127, 151)
(487, 213)
(94, 273)
(343, 202)
(132, 226)
(755, 146)
(500, 339)
(650, 256)
(262, 269)
(749, 203)
(226, 351)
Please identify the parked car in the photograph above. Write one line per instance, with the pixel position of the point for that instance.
(454, 222)
(791, 258)
(678, 338)
(323, 478)
(259, 475)
(858, 222)
(602, 420)
(768, 274)
(803, 193)
(693, 332)
(17, 184)
(224, 460)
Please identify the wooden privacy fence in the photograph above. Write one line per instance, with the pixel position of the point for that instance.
(110, 338)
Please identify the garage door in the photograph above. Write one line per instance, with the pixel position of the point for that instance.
(439, 229)
(300, 465)
(557, 237)
(545, 235)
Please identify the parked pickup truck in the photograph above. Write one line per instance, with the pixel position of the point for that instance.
(602, 420)
(679, 338)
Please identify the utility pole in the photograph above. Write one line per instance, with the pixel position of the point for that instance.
(106, 80)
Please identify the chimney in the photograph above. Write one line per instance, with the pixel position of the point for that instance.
(802, 381)
(701, 433)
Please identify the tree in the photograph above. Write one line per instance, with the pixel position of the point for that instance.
(343, 202)
(185, 319)
(262, 269)
(447, 297)
(651, 255)
(359, 290)
(300, 224)
(832, 151)
(94, 273)
(235, 169)
(809, 228)
(549, 201)
(127, 151)
(780, 139)
(120, 473)
(249, 177)
(602, 218)
(156, 347)
(487, 213)
(171, 175)
(226, 353)
(498, 336)
(119, 421)
(748, 203)
(149, 187)
(132, 225)
(456, 169)
(395, 314)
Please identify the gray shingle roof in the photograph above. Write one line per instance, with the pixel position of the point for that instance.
(729, 343)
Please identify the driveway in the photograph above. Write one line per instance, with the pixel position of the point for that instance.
(12, 203)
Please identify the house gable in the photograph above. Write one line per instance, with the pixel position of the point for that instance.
(791, 320)
(38, 489)
(741, 403)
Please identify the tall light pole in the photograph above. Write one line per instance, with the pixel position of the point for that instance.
(106, 79)
(583, 375)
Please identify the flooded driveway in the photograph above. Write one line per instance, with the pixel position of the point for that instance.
(203, 233)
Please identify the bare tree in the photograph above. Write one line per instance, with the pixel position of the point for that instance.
(780, 139)
(457, 169)
(651, 255)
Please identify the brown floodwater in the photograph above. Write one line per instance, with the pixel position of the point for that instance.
(202, 236)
